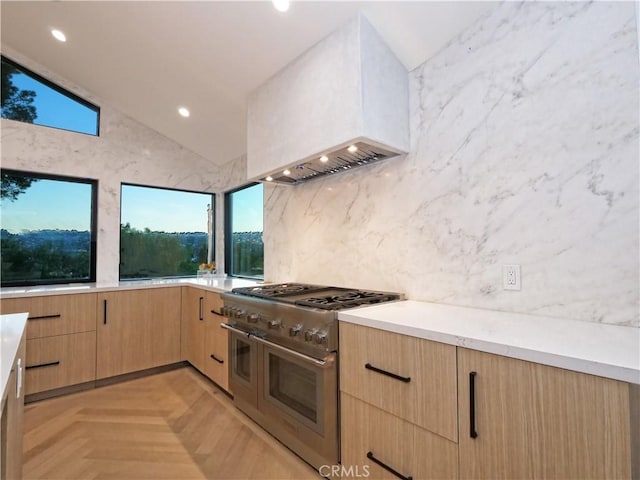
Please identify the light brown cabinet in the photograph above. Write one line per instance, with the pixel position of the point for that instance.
(204, 343)
(528, 421)
(216, 342)
(137, 329)
(192, 327)
(11, 419)
(406, 376)
(61, 339)
(55, 314)
(398, 405)
(59, 361)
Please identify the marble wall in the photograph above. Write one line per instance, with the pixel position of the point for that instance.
(524, 150)
(126, 151)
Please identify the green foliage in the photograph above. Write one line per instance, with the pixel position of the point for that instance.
(248, 254)
(147, 254)
(16, 104)
(14, 185)
(46, 261)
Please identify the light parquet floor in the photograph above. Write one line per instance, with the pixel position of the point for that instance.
(173, 425)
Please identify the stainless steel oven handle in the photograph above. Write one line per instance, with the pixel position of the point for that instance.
(234, 330)
(302, 356)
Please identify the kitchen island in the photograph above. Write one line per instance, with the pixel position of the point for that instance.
(12, 359)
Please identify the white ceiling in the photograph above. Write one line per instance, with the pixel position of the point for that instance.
(146, 58)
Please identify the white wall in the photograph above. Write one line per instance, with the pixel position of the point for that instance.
(125, 151)
(524, 151)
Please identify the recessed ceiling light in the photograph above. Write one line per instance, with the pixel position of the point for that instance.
(287, 172)
(352, 149)
(58, 35)
(281, 5)
(184, 111)
(324, 159)
(269, 178)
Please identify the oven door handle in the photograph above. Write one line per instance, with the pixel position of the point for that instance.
(302, 356)
(275, 346)
(226, 326)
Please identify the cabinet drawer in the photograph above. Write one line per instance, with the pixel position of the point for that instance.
(409, 450)
(60, 361)
(55, 315)
(412, 378)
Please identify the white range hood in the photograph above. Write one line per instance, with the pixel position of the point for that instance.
(348, 89)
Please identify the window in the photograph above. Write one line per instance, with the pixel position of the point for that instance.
(29, 98)
(48, 229)
(163, 232)
(244, 250)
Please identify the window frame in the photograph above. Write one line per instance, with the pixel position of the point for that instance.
(60, 90)
(228, 225)
(93, 254)
(213, 223)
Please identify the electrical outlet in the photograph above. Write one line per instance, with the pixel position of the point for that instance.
(511, 277)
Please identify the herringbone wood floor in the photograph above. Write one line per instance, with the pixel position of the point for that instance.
(173, 425)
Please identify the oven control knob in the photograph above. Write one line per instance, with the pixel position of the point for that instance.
(295, 330)
(227, 311)
(253, 318)
(239, 313)
(321, 338)
(274, 323)
(308, 334)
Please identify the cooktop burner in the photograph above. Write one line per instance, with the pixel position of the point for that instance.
(347, 300)
(278, 290)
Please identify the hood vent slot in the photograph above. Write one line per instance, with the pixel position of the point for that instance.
(338, 161)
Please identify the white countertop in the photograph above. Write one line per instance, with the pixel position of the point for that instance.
(11, 329)
(216, 284)
(605, 350)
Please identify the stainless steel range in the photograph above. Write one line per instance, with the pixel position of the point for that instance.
(283, 347)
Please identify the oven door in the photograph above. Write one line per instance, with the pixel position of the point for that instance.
(299, 398)
(243, 367)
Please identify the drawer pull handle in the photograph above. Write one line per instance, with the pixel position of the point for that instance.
(387, 467)
(368, 366)
(104, 318)
(41, 365)
(217, 359)
(200, 308)
(217, 313)
(43, 317)
(472, 405)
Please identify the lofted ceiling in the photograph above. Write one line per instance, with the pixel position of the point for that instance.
(146, 58)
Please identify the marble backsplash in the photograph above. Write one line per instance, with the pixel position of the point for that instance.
(524, 150)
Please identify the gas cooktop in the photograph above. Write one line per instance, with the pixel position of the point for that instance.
(317, 296)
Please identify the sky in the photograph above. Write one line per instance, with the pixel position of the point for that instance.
(47, 205)
(54, 109)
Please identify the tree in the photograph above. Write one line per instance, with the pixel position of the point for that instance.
(14, 185)
(17, 104)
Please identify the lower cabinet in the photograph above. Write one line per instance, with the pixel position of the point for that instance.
(204, 343)
(529, 421)
(216, 342)
(379, 445)
(137, 329)
(61, 339)
(59, 361)
(515, 419)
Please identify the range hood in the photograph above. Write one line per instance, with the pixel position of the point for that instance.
(357, 154)
(342, 104)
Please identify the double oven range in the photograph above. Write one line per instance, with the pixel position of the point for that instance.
(283, 369)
